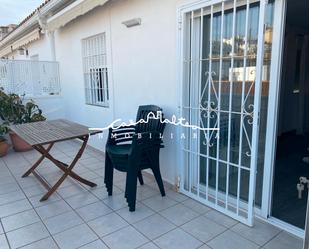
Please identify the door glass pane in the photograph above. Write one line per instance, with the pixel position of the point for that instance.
(216, 35)
(227, 33)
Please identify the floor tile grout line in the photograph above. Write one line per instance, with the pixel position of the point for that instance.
(17, 212)
(10, 193)
(234, 232)
(101, 201)
(249, 238)
(10, 202)
(158, 213)
(24, 225)
(144, 244)
(44, 220)
(176, 226)
(204, 245)
(82, 218)
(21, 247)
(92, 242)
(86, 223)
(5, 235)
(6, 183)
(32, 207)
(141, 201)
(225, 229)
(131, 224)
(281, 231)
(177, 202)
(155, 212)
(179, 226)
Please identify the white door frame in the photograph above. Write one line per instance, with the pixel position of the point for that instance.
(260, 53)
(272, 121)
(273, 104)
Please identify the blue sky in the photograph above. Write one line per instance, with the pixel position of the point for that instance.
(14, 11)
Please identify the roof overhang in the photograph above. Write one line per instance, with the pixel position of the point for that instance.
(22, 42)
(29, 29)
(38, 21)
(31, 22)
(7, 50)
(25, 40)
(74, 10)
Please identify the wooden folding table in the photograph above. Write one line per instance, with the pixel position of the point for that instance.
(48, 133)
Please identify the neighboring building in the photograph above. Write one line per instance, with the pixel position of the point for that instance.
(216, 63)
(5, 30)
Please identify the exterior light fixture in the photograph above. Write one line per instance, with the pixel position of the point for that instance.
(132, 22)
(21, 51)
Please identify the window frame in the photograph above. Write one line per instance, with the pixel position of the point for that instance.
(95, 66)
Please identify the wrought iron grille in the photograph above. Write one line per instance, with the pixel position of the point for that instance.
(226, 64)
(95, 70)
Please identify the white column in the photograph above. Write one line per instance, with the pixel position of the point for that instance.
(51, 38)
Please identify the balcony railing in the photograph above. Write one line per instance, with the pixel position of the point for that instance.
(30, 78)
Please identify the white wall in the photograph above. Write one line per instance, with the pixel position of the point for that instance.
(144, 65)
(52, 106)
(40, 47)
(142, 69)
(68, 51)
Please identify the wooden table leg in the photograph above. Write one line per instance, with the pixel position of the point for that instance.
(54, 188)
(64, 167)
(82, 180)
(37, 163)
(67, 169)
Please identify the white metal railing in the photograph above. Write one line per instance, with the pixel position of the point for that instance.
(30, 78)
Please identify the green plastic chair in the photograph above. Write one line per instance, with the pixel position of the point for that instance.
(132, 149)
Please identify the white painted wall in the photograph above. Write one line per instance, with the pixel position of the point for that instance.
(52, 106)
(40, 47)
(69, 54)
(142, 63)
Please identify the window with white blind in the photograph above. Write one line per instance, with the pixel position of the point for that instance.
(95, 70)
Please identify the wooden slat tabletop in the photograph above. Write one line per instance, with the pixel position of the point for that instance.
(45, 132)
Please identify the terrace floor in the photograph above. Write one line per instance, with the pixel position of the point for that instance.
(80, 217)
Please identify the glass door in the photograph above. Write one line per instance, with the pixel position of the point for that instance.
(226, 67)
